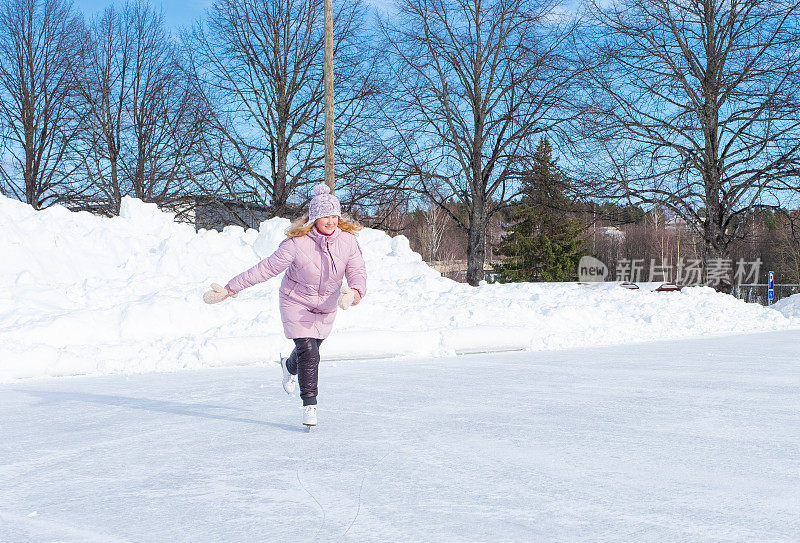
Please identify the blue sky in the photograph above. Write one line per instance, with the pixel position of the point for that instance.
(178, 13)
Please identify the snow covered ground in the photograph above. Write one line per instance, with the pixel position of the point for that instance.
(693, 440)
(588, 433)
(85, 295)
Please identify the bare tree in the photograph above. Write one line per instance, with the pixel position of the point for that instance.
(38, 44)
(105, 58)
(787, 245)
(472, 82)
(259, 67)
(143, 119)
(695, 108)
(430, 231)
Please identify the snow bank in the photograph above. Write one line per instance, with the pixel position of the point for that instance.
(790, 307)
(81, 294)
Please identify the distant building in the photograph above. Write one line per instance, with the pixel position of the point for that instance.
(95, 208)
(676, 223)
(216, 213)
(206, 212)
(612, 232)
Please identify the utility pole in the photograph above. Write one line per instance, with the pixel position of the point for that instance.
(328, 74)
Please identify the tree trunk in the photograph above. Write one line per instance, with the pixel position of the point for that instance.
(476, 247)
(31, 193)
(715, 239)
(715, 247)
(716, 252)
(279, 192)
(113, 158)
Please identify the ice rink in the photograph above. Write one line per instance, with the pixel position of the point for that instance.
(694, 440)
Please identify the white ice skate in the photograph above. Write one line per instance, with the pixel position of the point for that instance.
(288, 378)
(310, 415)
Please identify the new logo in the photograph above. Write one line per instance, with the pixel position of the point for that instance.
(591, 270)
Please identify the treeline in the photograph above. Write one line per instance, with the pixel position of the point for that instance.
(657, 104)
(543, 235)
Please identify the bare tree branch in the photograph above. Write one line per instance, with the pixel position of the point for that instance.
(473, 83)
(38, 45)
(258, 67)
(694, 107)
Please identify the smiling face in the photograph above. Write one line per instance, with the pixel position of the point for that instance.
(328, 224)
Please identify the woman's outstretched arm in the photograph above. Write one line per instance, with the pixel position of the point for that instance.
(266, 269)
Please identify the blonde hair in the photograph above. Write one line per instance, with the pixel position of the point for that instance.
(298, 227)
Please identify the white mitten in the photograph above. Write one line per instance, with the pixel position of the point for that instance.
(346, 297)
(216, 294)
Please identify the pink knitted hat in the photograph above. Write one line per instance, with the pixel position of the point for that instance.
(323, 204)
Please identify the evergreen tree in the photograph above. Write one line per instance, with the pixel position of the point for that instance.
(544, 243)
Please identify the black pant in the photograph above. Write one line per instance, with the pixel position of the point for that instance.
(304, 362)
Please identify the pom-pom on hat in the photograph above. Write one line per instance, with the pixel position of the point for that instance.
(323, 204)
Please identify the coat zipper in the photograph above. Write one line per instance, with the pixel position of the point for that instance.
(328, 246)
(333, 264)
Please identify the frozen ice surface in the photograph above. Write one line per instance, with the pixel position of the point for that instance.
(683, 440)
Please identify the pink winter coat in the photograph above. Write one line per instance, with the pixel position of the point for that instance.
(315, 265)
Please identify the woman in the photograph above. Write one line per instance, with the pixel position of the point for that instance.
(319, 251)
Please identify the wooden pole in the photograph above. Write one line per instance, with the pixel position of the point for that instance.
(328, 74)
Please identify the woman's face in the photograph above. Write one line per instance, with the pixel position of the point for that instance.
(327, 225)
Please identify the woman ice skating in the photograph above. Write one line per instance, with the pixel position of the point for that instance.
(319, 251)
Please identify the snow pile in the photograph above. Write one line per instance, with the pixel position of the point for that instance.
(790, 307)
(81, 294)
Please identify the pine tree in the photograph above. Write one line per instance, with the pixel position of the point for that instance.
(544, 243)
